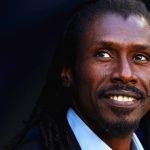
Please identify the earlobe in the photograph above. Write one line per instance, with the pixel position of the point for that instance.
(66, 77)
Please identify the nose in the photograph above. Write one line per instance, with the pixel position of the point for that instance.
(123, 73)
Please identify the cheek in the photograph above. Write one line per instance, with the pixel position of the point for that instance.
(143, 75)
(93, 71)
(90, 78)
(147, 107)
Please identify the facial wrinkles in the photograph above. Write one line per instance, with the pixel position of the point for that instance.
(140, 26)
(129, 69)
(94, 74)
(135, 22)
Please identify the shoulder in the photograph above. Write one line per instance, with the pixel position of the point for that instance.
(50, 134)
(31, 141)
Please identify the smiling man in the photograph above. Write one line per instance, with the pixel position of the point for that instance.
(111, 77)
(104, 67)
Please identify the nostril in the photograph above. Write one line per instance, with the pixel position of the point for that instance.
(133, 81)
(116, 79)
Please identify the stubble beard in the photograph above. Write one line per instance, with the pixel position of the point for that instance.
(122, 126)
(119, 128)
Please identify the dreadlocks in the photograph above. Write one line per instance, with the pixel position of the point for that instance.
(55, 99)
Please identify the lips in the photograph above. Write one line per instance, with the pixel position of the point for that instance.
(122, 98)
(122, 95)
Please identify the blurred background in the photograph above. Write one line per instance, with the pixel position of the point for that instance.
(29, 32)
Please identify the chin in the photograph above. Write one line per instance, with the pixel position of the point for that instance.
(118, 128)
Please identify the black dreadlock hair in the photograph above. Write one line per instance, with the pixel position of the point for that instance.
(55, 99)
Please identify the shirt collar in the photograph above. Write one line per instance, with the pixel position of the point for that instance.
(87, 139)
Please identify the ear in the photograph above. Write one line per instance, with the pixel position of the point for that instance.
(66, 77)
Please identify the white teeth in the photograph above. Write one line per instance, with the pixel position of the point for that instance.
(122, 98)
(126, 98)
(115, 98)
(131, 98)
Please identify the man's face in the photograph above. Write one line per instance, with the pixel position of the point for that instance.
(112, 74)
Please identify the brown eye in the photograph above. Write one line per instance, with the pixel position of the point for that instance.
(103, 54)
(141, 57)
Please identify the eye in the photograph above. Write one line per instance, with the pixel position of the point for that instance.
(141, 57)
(103, 54)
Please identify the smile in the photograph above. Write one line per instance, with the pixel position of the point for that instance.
(121, 98)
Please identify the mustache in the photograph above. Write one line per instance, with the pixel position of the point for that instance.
(114, 88)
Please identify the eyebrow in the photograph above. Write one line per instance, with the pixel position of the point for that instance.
(140, 46)
(108, 44)
(112, 44)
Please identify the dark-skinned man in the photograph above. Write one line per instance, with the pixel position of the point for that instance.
(98, 86)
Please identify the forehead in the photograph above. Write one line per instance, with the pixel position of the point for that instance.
(115, 28)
